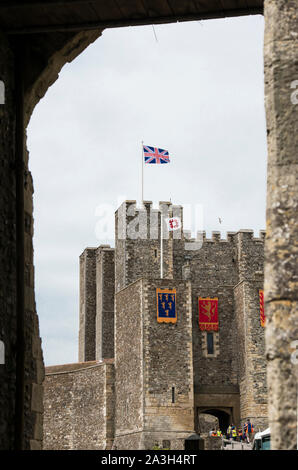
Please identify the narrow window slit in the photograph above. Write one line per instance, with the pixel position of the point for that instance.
(210, 343)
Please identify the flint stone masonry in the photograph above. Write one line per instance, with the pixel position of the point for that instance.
(47, 49)
(147, 370)
(164, 376)
(7, 248)
(33, 359)
(79, 406)
(87, 349)
(212, 443)
(21, 427)
(137, 242)
(105, 286)
(281, 249)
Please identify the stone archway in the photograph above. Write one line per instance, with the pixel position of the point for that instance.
(29, 65)
(224, 416)
(27, 75)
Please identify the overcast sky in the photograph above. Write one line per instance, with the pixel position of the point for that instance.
(198, 92)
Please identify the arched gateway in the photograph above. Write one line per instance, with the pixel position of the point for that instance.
(37, 38)
(224, 416)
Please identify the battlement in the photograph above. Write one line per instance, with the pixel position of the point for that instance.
(232, 237)
(88, 251)
(165, 206)
(134, 222)
(143, 222)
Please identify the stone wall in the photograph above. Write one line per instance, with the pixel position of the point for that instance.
(129, 365)
(206, 423)
(150, 360)
(231, 381)
(48, 53)
(7, 248)
(87, 319)
(34, 364)
(97, 284)
(168, 368)
(21, 428)
(251, 347)
(137, 243)
(79, 406)
(212, 443)
(281, 284)
(239, 360)
(105, 287)
(250, 334)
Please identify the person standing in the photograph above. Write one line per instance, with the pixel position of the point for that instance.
(249, 430)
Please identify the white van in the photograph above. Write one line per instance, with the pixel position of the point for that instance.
(262, 440)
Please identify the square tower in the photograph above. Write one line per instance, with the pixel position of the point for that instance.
(154, 367)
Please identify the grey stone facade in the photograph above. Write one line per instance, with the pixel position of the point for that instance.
(165, 376)
(281, 273)
(80, 411)
(7, 249)
(47, 48)
(25, 83)
(22, 373)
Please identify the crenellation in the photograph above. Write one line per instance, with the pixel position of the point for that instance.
(246, 234)
(187, 235)
(216, 236)
(262, 234)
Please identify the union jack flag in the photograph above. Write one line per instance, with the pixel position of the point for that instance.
(155, 155)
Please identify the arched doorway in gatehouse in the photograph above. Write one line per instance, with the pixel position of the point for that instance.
(218, 418)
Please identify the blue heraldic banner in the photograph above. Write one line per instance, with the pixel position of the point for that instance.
(166, 305)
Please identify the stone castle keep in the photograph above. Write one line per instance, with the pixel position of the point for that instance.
(139, 382)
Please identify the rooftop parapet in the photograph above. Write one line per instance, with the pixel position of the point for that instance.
(89, 250)
(105, 248)
(262, 235)
(148, 224)
(143, 222)
(230, 236)
(249, 235)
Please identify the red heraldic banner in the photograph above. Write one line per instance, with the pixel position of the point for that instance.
(208, 314)
(262, 308)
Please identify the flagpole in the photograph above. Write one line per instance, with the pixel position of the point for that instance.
(142, 183)
(161, 245)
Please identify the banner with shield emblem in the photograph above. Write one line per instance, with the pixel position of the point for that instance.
(208, 314)
(166, 305)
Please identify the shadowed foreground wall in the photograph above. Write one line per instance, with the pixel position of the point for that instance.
(148, 369)
(79, 406)
(48, 52)
(22, 374)
(281, 248)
